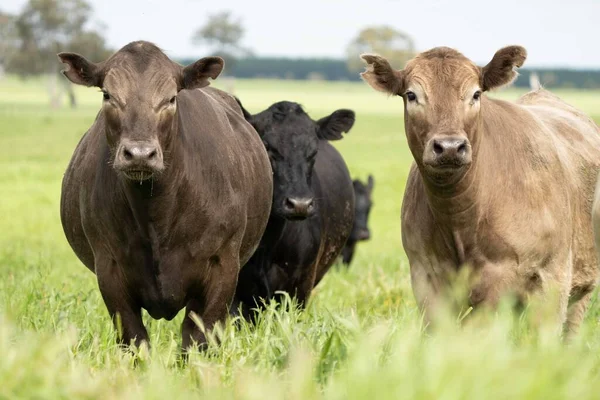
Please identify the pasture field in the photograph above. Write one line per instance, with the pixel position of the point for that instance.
(360, 338)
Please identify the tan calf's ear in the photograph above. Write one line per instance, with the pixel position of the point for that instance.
(501, 70)
(381, 76)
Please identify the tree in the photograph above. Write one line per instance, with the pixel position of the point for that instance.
(398, 47)
(8, 39)
(47, 27)
(223, 34)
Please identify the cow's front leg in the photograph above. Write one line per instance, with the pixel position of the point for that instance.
(304, 284)
(212, 304)
(124, 312)
(348, 252)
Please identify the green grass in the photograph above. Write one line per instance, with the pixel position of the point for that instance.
(361, 337)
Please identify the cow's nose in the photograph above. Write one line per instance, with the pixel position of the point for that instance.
(299, 207)
(139, 157)
(364, 234)
(140, 154)
(450, 147)
(452, 151)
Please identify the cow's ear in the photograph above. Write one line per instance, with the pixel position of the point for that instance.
(380, 75)
(247, 115)
(332, 126)
(501, 70)
(370, 183)
(81, 71)
(196, 75)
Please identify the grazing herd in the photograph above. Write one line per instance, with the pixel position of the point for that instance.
(178, 197)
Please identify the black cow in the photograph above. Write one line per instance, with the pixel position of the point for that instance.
(168, 192)
(313, 203)
(360, 229)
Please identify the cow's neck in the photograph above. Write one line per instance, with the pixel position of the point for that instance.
(456, 208)
(455, 205)
(153, 202)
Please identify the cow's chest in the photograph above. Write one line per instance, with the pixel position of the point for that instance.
(161, 269)
(515, 255)
(163, 276)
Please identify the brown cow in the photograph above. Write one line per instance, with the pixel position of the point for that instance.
(503, 187)
(168, 192)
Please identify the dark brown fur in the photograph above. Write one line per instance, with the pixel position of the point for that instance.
(177, 239)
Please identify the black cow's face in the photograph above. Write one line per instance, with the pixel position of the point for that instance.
(291, 138)
(362, 205)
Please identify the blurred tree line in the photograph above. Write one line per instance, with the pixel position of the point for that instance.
(30, 40)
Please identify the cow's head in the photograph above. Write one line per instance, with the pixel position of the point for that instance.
(139, 87)
(362, 207)
(442, 92)
(291, 138)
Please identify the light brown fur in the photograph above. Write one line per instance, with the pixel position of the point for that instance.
(519, 212)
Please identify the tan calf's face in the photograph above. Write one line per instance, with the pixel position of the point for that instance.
(442, 103)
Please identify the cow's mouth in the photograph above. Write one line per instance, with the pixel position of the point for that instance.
(446, 166)
(445, 173)
(297, 217)
(138, 175)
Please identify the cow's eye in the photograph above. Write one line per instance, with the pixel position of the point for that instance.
(172, 101)
(477, 95)
(411, 96)
(105, 95)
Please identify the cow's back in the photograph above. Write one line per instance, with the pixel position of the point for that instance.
(577, 137)
(231, 158)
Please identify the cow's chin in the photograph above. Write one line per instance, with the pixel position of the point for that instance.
(445, 174)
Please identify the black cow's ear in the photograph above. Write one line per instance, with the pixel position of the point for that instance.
(81, 71)
(196, 75)
(332, 127)
(247, 115)
(370, 183)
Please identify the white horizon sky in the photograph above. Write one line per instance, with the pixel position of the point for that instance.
(555, 33)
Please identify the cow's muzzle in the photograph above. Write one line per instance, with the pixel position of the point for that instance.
(296, 208)
(447, 152)
(138, 160)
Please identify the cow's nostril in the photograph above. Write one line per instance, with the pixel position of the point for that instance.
(289, 204)
(462, 149)
(152, 154)
(437, 148)
(127, 154)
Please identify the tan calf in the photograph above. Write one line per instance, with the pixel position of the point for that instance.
(503, 187)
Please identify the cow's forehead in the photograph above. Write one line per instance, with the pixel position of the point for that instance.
(442, 73)
(125, 80)
(294, 135)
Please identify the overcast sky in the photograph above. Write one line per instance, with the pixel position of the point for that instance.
(555, 32)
